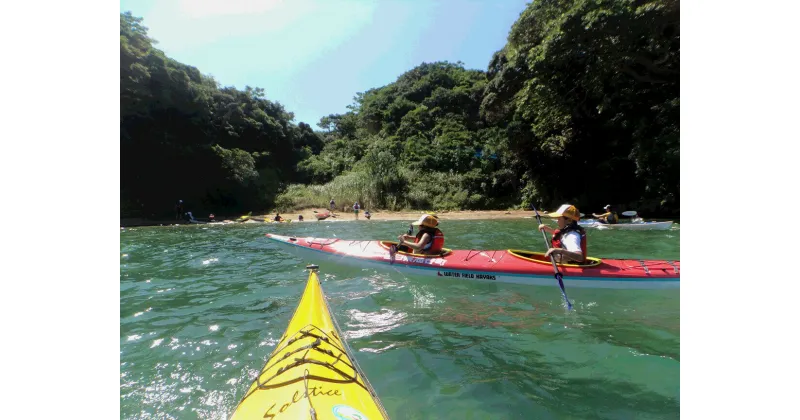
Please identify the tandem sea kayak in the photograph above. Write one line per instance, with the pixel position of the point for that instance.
(499, 266)
(312, 373)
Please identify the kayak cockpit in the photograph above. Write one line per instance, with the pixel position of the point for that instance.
(538, 257)
(402, 250)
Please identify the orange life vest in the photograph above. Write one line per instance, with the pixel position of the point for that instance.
(435, 245)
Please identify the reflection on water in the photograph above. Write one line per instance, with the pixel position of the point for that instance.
(201, 309)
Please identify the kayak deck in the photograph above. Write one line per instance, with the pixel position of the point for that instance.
(312, 372)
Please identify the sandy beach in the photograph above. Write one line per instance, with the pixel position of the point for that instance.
(308, 216)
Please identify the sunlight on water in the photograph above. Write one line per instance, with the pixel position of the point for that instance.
(202, 307)
(363, 324)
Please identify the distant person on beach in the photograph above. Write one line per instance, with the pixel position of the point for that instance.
(609, 217)
(179, 210)
(333, 205)
(300, 217)
(366, 214)
(356, 207)
(429, 238)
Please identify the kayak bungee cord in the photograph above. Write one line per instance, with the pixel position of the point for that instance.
(552, 260)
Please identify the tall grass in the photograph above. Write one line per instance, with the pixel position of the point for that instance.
(434, 191)
(345, 189)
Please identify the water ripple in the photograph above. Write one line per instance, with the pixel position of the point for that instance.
(202, 307)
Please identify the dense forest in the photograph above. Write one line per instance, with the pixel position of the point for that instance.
(580, 105)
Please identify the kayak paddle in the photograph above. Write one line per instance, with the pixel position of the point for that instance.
(392, 252)
(394, 247)
(558, 275)
(629, 213)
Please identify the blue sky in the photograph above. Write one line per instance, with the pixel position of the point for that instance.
(313, 56)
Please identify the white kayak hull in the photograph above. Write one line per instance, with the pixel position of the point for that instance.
(627, 226)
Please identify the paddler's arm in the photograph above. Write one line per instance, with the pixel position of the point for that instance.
(597, 216)
(576, 256)
(571, 250)
(417, 246)
(546, 228)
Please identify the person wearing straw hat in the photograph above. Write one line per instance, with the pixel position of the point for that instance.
(429, 238)
(609, 217)
(569, 240)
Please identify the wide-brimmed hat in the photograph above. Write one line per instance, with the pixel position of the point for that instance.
(427, 220)
(567, 210)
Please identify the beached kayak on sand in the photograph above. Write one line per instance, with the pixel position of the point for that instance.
(500, 266)
(312, 373)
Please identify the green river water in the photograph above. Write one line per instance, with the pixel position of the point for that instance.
(202, 307)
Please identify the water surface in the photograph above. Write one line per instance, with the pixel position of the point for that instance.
(201, 308)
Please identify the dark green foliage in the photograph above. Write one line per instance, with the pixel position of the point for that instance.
(593, 85)
(183, 136)
(581, 105)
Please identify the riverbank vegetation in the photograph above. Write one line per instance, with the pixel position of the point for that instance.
(580, 105)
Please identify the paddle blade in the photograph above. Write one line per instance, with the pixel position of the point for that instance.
(392, 252)
(563, 292)
(629, 213)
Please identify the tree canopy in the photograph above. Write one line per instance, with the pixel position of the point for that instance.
(581, 105)
(183, 136)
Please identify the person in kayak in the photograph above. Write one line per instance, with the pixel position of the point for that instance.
(277, 218)
(569, 240)
(609, 217)
(429, 238)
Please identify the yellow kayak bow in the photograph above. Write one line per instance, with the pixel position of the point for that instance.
(312, 373)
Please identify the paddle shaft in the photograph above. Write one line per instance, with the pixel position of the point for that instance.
(558, 274)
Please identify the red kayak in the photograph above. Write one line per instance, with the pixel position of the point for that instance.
(503, 266)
